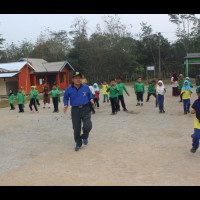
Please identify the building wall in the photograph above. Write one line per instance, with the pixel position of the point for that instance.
(24, 79)
(4, 82)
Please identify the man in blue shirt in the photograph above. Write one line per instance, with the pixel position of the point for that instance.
(80, 96)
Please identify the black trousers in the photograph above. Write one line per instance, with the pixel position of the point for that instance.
(96, 101)
(37, 101)
(81, 116)
(20, 107)
(55, 103)
(12, 106)
(148, 97)
(114, 104)
(33, 103)
(121, 99)
(139, 96)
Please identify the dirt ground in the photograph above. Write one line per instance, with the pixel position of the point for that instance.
(141, 147)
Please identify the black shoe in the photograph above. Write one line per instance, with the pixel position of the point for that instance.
(185, 113)
(112, 113)
(125, 110)
(138, 104)
(193, 150)
(160, 111)
(163, 111)
(141, 104)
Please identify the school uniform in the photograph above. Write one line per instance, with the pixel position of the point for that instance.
(55, 95)
(139, 90)
(80, 111)
(151, 91)
(33, 96)
(20, 97)
(114, 92)
(180, 85)
(196, 135)
(105, 93)
(160, 96)
(122, 88)
(186, 94)
(11, 101)
(96, 94)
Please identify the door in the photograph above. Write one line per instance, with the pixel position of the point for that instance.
(50, 80)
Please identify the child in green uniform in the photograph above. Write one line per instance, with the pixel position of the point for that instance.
(105, 94)
(114, 91)
(152, 90)
(21, 99)
(139, 91)
(37, 96)
(55, 94)
(180, 85)
(11, 97)
(122, 88)
(33, 95)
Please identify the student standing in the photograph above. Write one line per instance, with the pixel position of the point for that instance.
(196, 110)
(160, 89)
(55, 95)
(33, 95)
(186, 92)
(79, 95)
(37, 96)
(152, 90)
(105, 94)
(114, 91)
(122, 88)
(11, 98)
(180, 85)
(46, 98)
(20, 98)
(96, 95)
(139, 91)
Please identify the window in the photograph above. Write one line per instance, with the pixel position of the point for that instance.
(61, 77)
(40, 80)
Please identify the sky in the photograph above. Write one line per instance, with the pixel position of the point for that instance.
(18, 27)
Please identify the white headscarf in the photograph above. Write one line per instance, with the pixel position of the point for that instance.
(160, 89)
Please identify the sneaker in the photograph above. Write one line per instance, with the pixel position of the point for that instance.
(141, 104)
(185, 113)
(77, 148)
(138, 104)
(193, 150)
(163, 111)
(85, 141)
(125, 110)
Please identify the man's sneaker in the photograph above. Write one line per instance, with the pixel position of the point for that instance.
(85, 141)
(193, 150)
(77, 148)
(138, 104)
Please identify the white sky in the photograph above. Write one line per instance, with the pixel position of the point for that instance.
(18, 27)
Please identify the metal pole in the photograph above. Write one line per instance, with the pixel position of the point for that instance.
(160, 76)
